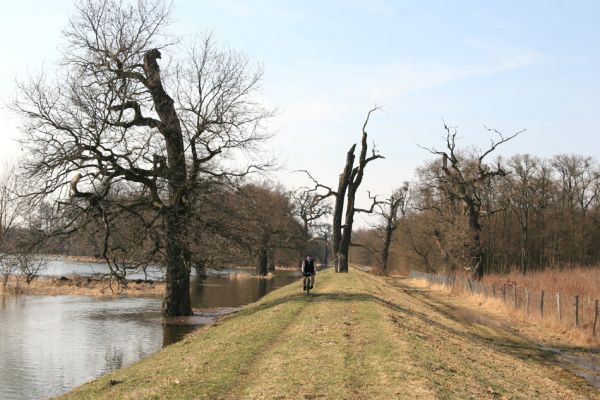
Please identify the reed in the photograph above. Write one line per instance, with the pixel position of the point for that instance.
(249, 275)
(558, 303)
(75, 285)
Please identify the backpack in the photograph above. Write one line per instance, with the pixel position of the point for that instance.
(309, 265)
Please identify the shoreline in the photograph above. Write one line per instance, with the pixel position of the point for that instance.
(74, 258)
(77, 285)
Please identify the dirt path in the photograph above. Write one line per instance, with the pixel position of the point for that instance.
(356, 337)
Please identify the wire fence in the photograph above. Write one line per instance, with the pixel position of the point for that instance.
(572, 311)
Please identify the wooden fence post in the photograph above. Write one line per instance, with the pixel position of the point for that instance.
(595, 318)
(470, 286)
(515, 295)
(526, 303)
(504, 292)
(542, 304)
(577, 310)
(558, 305)
(494, 290)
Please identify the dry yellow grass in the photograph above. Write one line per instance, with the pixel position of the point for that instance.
(569, 281)
(249, 275)
(546, 328)
(81, 286)
(84, 259)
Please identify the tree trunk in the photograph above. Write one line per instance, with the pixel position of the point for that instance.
(524, 247)
(326, 258)
(177, 279)
(177, 291)
(271, 260)
(305, 238)
(347, 232)
(477, 254)
(339, 207)
(262, 262)
(385, 253)
(200, 267)
(343, 254)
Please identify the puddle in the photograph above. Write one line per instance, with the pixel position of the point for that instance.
(582, 363)
(479, 318)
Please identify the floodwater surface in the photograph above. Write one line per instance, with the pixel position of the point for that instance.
(50, 344)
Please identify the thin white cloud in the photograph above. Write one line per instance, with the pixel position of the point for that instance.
(321, 91)
(393, 79)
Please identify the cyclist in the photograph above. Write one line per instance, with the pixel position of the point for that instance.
(308, 271)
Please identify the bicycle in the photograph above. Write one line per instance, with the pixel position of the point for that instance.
(308, 282)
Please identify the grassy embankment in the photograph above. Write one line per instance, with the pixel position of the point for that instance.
(356, 337)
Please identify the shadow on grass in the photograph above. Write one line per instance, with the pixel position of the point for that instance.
(577, 359)
(508, 341)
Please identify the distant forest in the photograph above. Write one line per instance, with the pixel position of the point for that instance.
(542, 212)
(249, 225)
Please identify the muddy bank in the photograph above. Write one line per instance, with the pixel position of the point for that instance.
(76, 285)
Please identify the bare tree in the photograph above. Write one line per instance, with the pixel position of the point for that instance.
(345, 196)
(112, 116)
(392, 210)
(462, 180)
(20, 227)
(9, 215)
(309, 210)
(522, 194)
(267, 214)
(353, 183)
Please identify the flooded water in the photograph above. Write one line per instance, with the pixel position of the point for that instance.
(584, 363)
(50, 344)
(58, 267)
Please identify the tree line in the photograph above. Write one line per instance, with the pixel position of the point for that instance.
(534, 213)
(256, 224)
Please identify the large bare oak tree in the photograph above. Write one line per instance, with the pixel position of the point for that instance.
(117, 114)
(464, 179)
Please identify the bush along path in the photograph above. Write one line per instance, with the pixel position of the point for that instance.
(355, 337)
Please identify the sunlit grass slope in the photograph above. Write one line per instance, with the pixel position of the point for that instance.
(355, 337)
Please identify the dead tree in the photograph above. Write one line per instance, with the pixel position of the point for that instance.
(392, 210)
(354, 182)
(340, 194)
(348, 184)
(113, 117)
(462, 180)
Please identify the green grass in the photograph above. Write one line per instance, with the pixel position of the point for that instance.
(355, 337)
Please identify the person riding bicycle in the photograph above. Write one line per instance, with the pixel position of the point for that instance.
(308, 271)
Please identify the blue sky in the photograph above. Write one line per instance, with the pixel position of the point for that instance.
(509, 65)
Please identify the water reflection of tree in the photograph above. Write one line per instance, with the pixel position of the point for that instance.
(114, 359)
(173, 333)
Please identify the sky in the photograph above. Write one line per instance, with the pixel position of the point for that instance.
(508, 65)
